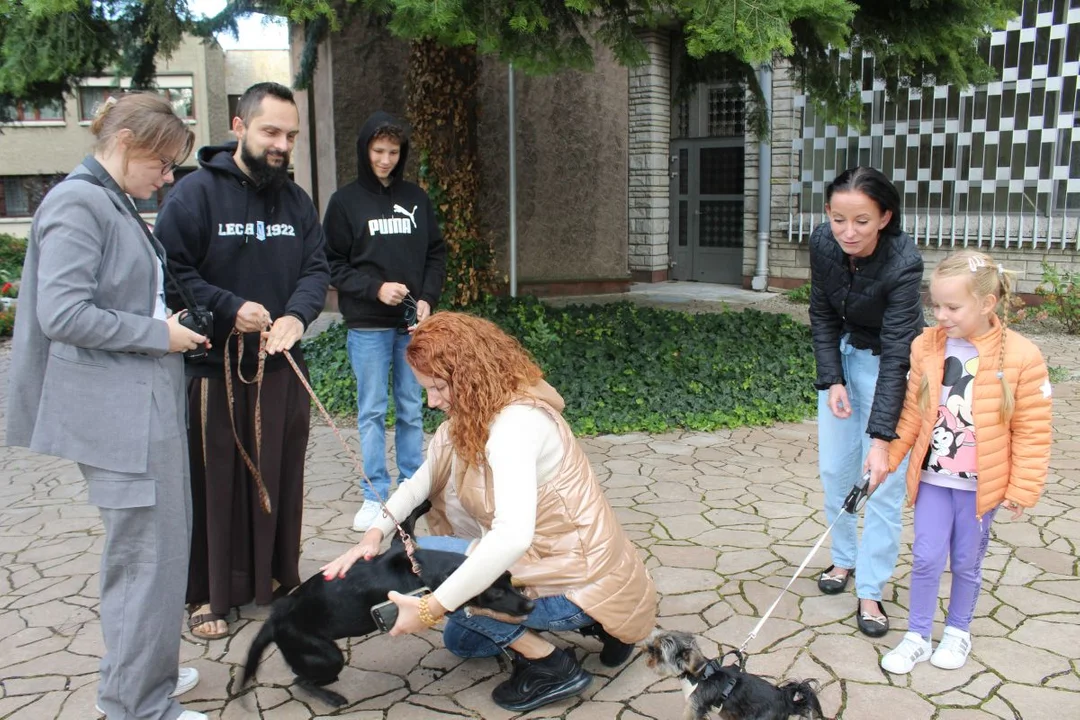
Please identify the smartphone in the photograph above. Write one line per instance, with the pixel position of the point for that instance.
(385, 613)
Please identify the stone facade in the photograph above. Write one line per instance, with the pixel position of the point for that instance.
(650, 167)
(572, 132)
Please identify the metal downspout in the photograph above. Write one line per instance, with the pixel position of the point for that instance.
(761, 274)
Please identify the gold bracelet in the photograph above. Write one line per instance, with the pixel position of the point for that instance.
(425, 613)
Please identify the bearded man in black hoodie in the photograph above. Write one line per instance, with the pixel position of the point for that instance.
(388, 262)
(246, 242)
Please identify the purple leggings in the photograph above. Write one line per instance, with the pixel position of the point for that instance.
(946, 526)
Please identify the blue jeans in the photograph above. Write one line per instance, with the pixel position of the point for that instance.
(842, 448)
(372, 354)
(475, 637)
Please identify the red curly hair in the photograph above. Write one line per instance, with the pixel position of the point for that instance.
(484, 367)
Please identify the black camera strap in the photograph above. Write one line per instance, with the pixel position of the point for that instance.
(170, 279)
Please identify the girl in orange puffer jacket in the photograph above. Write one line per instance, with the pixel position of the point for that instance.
(977, 422)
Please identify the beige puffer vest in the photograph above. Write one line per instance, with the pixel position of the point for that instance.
(579, 549)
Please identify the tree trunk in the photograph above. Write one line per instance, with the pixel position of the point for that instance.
(442, 105)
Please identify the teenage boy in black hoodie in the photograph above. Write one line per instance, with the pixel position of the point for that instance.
(388, 263)
(246, 242)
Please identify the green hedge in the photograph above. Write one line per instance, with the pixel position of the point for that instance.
(12, 252)
(623, 368)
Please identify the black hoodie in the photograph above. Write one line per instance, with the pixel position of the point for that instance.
(377, 234)
(229, 242)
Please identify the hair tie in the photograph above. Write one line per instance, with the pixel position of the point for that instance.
(1000, 374)
(1001, 269)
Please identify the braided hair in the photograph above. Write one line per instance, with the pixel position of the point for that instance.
(986, 278)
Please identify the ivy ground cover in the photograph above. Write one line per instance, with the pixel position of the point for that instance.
(624, 368)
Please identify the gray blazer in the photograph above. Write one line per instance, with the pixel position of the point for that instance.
(85, 340)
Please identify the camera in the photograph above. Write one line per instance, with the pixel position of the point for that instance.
(198, 320)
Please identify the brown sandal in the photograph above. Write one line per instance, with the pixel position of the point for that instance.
(196, 621)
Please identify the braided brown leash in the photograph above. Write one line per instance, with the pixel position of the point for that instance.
(410, 546)
(260, 487)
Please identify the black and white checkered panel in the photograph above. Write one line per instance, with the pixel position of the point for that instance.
(997, 164)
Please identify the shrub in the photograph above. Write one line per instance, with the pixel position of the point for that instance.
(1061, 288)
(799, 295)
(623, 368)
(12, 252)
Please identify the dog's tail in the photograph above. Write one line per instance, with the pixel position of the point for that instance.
(264, 638)
(409, 523)
(802, 699)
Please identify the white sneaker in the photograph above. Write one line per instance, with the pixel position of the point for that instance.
(952, 651)
(186, 679)
(366, 515)
(192, 715)
(913, 649)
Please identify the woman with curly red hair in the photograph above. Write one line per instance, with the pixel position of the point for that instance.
(512, 489)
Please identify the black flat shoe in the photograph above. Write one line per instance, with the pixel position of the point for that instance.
(872, 625)
(615, 652)
(830, 584)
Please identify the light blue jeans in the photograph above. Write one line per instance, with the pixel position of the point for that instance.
(474, 637)
(372, 354)
(842, 448)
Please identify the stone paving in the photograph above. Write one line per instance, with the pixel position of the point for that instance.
(722, 520)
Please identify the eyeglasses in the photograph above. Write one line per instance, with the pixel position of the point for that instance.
(167, 165)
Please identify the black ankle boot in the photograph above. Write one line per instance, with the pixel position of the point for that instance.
(615, 652)
(534, 683)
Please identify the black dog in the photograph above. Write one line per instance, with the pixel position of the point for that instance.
(305, 623)
(736, 694)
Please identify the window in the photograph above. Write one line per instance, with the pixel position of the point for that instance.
(154, 203)
(20, 195)
(182, 99)
(90, 98)
(234, 100)
(25, 112)
(14, 202)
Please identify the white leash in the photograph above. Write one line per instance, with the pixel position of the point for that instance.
(851, 505)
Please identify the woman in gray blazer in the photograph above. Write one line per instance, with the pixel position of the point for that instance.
(97, 377)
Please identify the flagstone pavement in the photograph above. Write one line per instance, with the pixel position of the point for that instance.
(722, 520)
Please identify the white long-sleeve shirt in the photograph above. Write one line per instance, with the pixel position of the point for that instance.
(524, 451)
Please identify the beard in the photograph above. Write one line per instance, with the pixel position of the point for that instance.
(262, 172)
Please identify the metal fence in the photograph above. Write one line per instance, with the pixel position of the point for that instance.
(996, 165)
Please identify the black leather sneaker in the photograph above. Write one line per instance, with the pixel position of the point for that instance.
(534, 683)
(615, 652)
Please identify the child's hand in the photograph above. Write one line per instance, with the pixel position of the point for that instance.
(1016, 510)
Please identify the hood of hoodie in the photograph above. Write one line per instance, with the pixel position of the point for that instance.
(219, 159)
(365, 176)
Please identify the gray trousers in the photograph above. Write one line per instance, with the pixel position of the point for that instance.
(144, 564)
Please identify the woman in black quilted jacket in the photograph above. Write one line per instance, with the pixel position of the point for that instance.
(865, 310)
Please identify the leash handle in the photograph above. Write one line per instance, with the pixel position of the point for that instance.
(260, 486)
(859, 494)
(406, 539)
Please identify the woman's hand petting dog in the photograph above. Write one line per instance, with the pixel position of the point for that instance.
(367, 548)
(408, 620)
